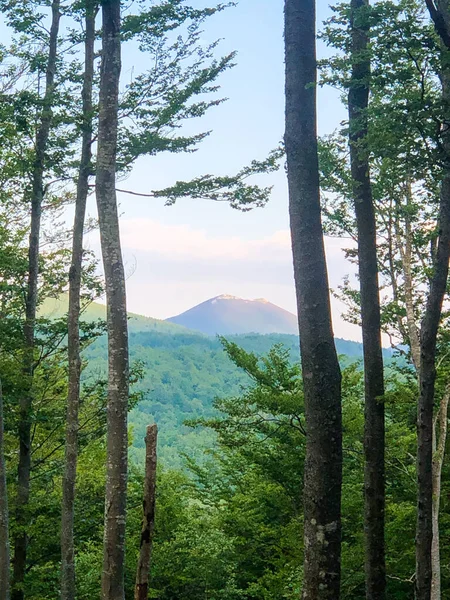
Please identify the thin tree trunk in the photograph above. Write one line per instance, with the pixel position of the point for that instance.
(427, 377)
(406, 255)
(26, 400)
(118, 374)
(148, 521)
(320, 367)
(440, 420)
(439, 443)
(427, 374)
(374, 431)
(68, 585)
(440, 13)
(4, 515)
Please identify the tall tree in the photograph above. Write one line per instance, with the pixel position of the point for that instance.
(26, 400)
(410, 156)
(440, 13)
(374, 434)
(4, 515)
(68, 585)
(320, 367)
(427, 379)
(118, 368)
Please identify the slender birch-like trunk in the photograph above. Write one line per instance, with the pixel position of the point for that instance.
(68, 583)
(26, 400)
(118, 368)
(440, 420)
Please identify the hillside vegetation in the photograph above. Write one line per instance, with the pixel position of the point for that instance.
(182, 372)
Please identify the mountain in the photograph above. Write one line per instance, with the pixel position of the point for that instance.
(227, 315)
(184, 370)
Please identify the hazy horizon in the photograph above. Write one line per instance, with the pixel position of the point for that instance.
(179, 256)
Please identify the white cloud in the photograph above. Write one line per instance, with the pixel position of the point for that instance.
(184, 241)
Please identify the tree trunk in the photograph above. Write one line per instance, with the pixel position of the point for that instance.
(374, 433)
(26, 400)
(405, 248)
(427, 374)
(413, 334)
(439, 443)
(118, 371)
(148, 521)
(68, 587)
(4, 515)
(427, 377)
(427, 521)
(320, 367)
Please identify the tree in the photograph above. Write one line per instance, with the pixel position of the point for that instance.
(409, 155)
(118, 369)
(427, 378)
(68, 585)
(36, 199)
(374, 436)
(426, 475)
(320, 367)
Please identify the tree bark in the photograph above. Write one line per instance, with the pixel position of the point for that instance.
(427, 373)
(148, 521)
(440, 420)
(374, 430)
(4, 515)
(439, 13)
(439, 443)
(405, 248)
(118, 369)
(26, 400)
(68, 584)
(320, 367)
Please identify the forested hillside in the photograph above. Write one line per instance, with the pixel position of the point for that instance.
(182, 373)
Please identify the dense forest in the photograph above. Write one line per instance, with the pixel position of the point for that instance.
(139, 459)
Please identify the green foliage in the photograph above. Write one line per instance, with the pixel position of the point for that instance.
(229, 524)
(231, 424)
(183, 372)
(231, 189)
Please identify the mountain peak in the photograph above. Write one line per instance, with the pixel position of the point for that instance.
(224, 297)
(227, 315)
(230, 297)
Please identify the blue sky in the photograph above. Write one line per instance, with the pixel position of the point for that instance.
(179, 256)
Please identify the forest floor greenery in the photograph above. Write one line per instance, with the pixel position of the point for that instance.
(230, 474)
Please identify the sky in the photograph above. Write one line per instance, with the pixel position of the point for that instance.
(179, 256)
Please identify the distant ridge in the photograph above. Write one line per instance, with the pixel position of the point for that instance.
(55, 308)
(227, 315)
